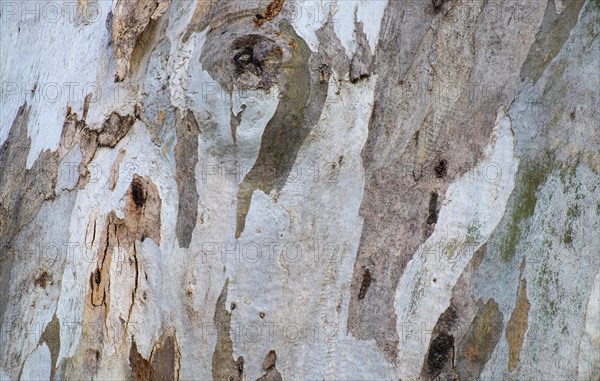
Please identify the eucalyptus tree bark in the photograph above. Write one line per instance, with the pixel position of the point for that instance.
(279, 189)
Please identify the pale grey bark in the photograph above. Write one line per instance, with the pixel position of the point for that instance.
(281, 190)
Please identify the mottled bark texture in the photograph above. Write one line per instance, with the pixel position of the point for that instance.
(289, 190)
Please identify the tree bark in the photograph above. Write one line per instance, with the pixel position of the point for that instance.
(282, 190)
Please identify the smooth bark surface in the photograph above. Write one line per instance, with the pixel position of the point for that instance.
(297, 190)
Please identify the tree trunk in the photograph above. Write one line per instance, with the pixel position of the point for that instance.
(279, 189)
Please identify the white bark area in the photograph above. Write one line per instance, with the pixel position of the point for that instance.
(422, 178)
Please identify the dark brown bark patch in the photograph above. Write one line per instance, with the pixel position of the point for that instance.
(164, 363)
(141, 370)
(433, 208)
(441, 169)
(43, 279)
(440, 357)
(440, 352)
(165, 359)
(366, 282)
(142, 210)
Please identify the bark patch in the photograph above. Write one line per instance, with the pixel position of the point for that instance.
(164, 363)
(551, 37)
(114, 171)
(273, 9)
(142, 210)
(271, 372)
(43, 280)
(130, 19)
(441, 350)
(141, 221)
(366, 282)
(517, 326)
(441, 169)
(22, 192)
(77, 134)
(433, 208)
(140, 367)
(165, 359)
(360, 65)
(51, 336)
(224, 366)
(114, 128)
(186, 159)
(478, 344)
(299, 107)
(440, 356)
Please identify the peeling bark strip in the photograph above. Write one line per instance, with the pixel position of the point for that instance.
(114, 171)
(224, 367)
(299, 107)
(130, 19)
(270, 13)
(99, 279)
(203, 13)
(186, 158)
